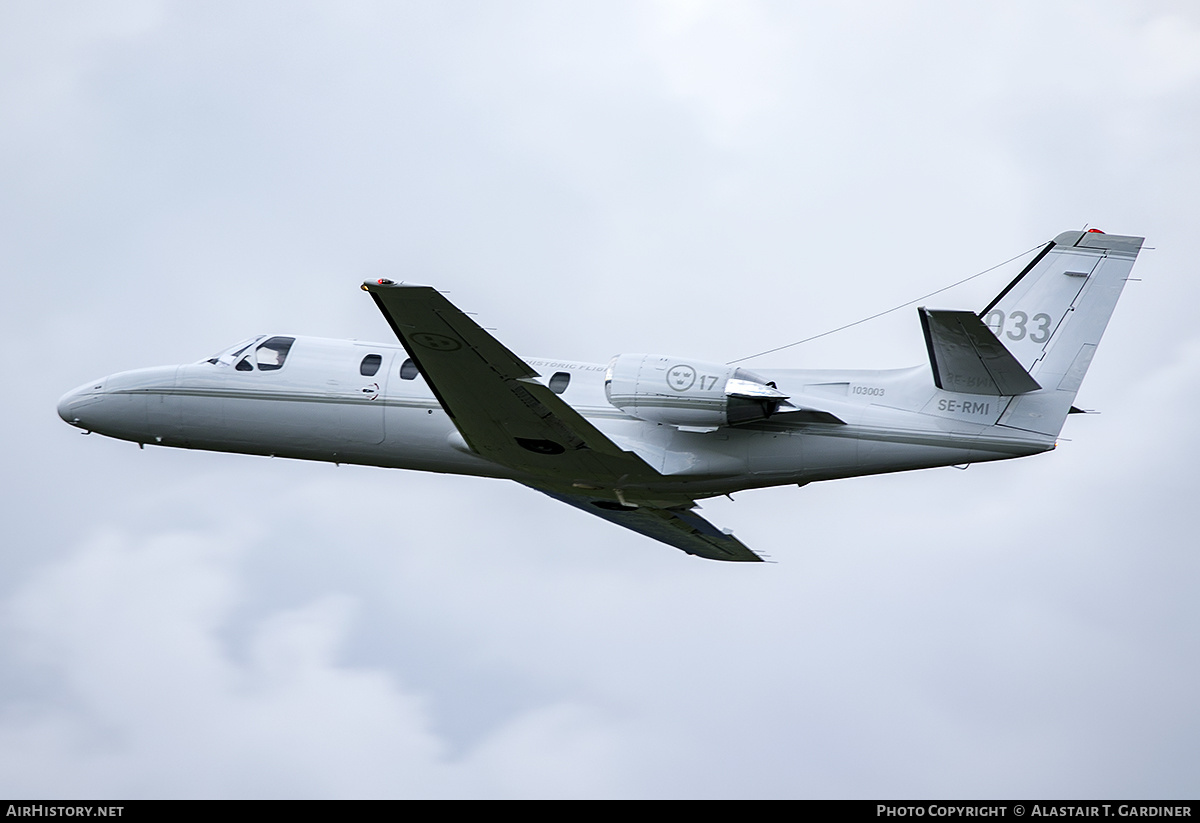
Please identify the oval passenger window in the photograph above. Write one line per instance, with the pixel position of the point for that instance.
(559, 382)
(370, 364)
(408, 370)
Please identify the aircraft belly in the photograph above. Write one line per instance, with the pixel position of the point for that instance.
(359, 419)
(877, 457)
(424, 438)
(164, 415)
(280, 424)
(721, 452)
(879, 451)
(771, 452)
(121, 415)
(202, 418)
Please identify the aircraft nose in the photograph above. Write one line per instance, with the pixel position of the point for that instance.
(71, 404)
(64, 406)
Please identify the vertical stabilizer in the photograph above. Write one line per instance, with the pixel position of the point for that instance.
(1051, 318)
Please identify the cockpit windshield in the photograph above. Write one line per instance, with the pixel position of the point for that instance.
(268, 354)
(227, 356)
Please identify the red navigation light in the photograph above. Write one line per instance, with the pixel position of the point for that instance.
(1095, 231)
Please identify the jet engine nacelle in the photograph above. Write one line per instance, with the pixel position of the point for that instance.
(688, 393)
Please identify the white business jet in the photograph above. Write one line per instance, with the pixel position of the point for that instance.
(639, 440)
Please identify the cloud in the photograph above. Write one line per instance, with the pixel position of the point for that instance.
(142, 677)
(156, 703)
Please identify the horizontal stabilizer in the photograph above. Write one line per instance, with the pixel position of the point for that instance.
(677, 526)
(967, 357)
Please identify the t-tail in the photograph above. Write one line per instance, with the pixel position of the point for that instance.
(1035, 341)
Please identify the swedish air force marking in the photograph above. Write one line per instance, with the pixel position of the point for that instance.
(437, 342)
(681, 377)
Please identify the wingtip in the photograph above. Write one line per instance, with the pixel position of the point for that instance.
(374, 285)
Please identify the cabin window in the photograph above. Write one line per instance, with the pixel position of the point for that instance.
(369, 365)
(559, 382)
(408, 370)
(271, 354)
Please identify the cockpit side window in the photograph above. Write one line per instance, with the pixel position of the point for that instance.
(272, 354)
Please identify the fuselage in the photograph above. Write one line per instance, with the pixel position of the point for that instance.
(366, 403)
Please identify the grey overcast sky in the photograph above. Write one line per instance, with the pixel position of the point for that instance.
(707, 179)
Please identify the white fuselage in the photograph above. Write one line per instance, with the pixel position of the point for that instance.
(352, 402)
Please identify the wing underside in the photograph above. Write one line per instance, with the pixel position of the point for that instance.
(677, 526)
(506, 415)
(497, 401)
